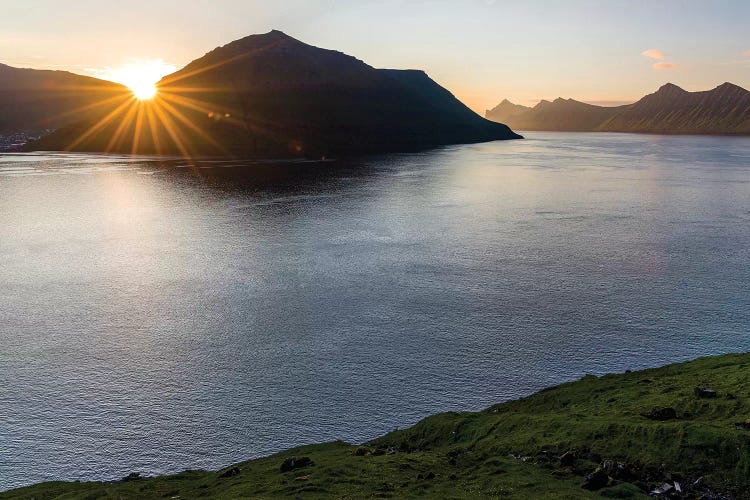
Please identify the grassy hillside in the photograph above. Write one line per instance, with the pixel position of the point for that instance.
(617, 436)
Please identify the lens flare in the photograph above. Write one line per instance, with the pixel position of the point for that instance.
(140, 76)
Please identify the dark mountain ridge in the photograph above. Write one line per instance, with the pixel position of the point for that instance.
(560, 115)
(272, 95)
(505, 110)
(33, 100)
(670, 110)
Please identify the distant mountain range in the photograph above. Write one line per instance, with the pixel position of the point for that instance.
(670, 110)
(273, 95)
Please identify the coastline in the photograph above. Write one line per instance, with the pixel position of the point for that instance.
(684, 426)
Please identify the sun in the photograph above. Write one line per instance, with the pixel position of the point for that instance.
(139, 75)
(142, 89)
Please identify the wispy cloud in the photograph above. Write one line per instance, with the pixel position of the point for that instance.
(665, 65)
(653, 54)
(659, 55)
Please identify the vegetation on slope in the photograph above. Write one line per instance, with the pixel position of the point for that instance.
(684, 426)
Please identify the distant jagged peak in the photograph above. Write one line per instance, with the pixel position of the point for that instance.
(506, 109)
(728, 87)
(672, 91)
(505, 103)
(671, 88)
(544, 103)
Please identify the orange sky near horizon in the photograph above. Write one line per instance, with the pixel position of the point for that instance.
(482, 50)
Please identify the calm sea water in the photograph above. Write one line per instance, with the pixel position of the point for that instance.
(157, 316)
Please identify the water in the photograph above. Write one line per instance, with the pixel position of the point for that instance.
(156, 317)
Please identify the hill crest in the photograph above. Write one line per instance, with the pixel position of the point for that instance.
(671, 109)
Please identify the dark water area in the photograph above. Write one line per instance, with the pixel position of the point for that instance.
(157, 315)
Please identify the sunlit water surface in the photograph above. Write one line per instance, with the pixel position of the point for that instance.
(156, 316)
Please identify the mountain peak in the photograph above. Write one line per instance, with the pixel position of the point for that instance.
(728, 87)
(668, 110)
(264, 39)
(671, 88)
(270, 94)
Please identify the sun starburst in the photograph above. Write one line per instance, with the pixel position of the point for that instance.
(139, 75)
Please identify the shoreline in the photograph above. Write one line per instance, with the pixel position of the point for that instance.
(683, 426)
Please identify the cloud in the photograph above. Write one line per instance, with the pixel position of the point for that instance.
(665, 65)
(653, 54)
(746, 53)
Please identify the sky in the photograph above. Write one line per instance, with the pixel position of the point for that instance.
(604, 52)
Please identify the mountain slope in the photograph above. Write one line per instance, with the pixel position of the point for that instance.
(559, 115)
(34, 100)
(672, 110)
(504, 111)
(273, 95)
(614, 436)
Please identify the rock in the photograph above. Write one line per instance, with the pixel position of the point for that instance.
(661, 414)
(596, 480)
(133, 476)
(744, 426)
(705, 392)
(661, 490)
(302, 478)
(293, 463)
(234, 471)
(568, 459)
(361, 451)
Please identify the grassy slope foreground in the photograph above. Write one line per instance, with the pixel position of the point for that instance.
(628, 433)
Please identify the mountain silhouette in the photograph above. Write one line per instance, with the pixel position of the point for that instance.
(560, 115)
(34, 100)
(271, 94)
(506, 110)
(670, 110)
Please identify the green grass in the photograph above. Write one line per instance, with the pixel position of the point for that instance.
(511, 450)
